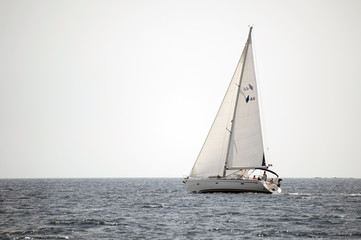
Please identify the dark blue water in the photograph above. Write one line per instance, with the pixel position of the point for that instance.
(161, 209)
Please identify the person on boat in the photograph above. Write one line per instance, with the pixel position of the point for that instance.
(264, 177)
(254, 177)
(278, 181)
(271, 181)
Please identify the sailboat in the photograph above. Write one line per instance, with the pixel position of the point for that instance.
(233, 150)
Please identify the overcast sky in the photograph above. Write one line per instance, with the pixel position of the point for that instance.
(131, 88)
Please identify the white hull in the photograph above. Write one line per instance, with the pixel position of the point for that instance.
(230, 185)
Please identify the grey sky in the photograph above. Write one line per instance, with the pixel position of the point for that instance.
(130, 88)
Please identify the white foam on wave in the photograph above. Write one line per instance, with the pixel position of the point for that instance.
(47, 237)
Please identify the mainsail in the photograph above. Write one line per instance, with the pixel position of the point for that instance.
(235, 138)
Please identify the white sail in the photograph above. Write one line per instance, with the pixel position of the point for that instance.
(211, 159)
(246, 146)
(239, 145)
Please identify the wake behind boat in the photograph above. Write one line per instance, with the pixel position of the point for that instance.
(233, 150)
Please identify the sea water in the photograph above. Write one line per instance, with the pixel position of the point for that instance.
(162, 209)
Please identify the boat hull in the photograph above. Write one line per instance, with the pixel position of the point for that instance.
(230, 185)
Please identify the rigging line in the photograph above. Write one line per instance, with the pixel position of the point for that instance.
(235, 171)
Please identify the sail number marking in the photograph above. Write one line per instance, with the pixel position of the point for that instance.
(248, 98)
(249, 87)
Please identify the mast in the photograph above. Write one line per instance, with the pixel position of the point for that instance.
(235, 105)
